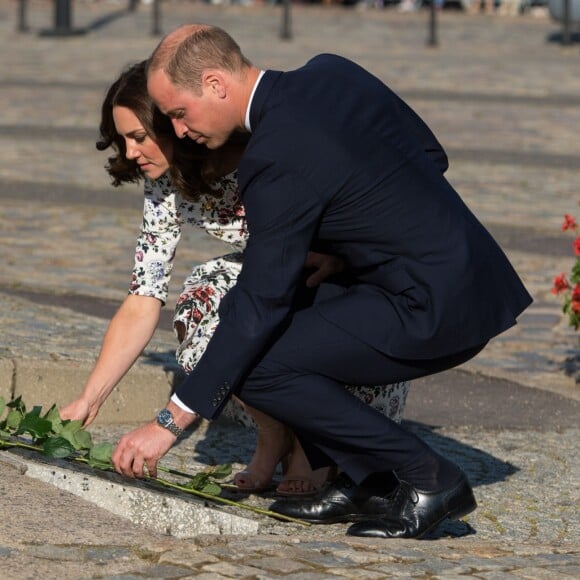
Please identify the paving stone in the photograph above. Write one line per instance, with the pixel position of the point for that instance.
(189, 557)
(231, 570)
(309, 576)
(495, 575)
(101, 554)
(279, 566)
(207, 576)
(123, 577)
(533, 572)
(433, 566)
(59, 553)
(165, 571)
(572, 570)
(362, 573)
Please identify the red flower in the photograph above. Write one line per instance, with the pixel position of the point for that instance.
(575, 301)
(569, 222)
(560, 284)
(196, 315)
(569, 289)
(202, 295)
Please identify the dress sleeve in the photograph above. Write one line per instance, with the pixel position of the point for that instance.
(157, 241)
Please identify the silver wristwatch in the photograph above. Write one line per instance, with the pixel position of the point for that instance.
(165, 420)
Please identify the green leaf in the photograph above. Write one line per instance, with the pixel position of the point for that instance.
(70, 437)
(17, 405)
(75, 435)
(13, 419)
(211, 488)
(72, 426)
(198, 481)
(100, 455)
(83, 440)
(575, 277)
(220, 471)
(57, 447)
(53, 416)
(33, 424)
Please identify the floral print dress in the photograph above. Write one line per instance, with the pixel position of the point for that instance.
(165, 213)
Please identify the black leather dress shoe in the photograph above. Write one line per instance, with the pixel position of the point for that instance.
(343, 501)
(414, 513)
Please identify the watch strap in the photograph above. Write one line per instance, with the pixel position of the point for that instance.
(165, 420)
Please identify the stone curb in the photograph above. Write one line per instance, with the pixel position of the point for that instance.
(171, 514)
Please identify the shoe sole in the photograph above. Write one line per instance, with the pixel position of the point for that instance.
(344, 519)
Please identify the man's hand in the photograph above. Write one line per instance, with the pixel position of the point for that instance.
(142, 448)
(325, 266)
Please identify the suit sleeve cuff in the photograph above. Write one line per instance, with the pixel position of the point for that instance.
(175, 399)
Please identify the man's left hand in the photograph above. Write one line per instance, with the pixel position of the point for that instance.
(324, 265)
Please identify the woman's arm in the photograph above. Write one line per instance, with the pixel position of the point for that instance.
(135, 322)
(128, 334)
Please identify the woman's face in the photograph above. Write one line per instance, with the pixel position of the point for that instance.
(153, 157)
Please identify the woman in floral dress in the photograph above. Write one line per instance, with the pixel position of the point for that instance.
(187, 185)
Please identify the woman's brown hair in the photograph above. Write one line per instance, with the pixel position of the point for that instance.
(191, 169)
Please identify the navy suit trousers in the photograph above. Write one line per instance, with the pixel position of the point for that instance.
(300, 381)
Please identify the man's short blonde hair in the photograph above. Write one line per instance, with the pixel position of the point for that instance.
(190, 50)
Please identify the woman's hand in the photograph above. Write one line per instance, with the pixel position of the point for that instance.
(79, 410)
(324, 265)
(128, 334)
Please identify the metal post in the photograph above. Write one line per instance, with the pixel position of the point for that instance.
(432, 39)
(62, 21)
(22, 16)
(566, 24)
(156, 18)
(286, 30)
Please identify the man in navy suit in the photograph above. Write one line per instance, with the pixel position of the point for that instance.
(335, 161)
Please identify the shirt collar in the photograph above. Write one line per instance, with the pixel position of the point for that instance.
(247, 121)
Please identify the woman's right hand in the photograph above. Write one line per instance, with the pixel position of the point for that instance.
(79, 410)
(128, 334)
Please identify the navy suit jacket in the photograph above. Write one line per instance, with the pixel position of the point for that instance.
(337, 161)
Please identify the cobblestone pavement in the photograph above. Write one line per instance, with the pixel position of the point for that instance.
(501, 95)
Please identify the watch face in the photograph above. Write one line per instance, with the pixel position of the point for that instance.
(164, 417)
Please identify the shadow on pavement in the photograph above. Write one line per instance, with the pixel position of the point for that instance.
(558, 37)
(481, 467)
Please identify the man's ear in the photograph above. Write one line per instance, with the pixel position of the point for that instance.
(214, 81)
